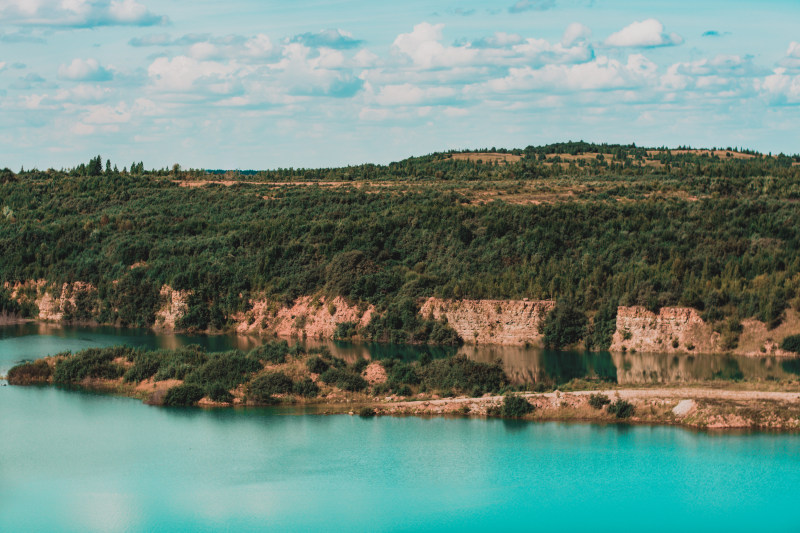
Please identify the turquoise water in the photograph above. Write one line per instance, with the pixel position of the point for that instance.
(75, 461)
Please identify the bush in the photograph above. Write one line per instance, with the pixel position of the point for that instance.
(177, 364)
(404, 390)
(598, 400)
(515, 407)
(145, 366)
(306, 388)
(182, 395)
(228, 369)
(219, 393)
(345, 330)
(344, 379)
(271, 352)
(317, 365)
(564, 325)
(366, 412)
(360, 365)
(621, 409)
(791, 344)
(462, 374)
(92, 363)
(33, 372)
(266, 386)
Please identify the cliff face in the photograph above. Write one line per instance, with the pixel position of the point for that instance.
(308, 317)
(72, 301)
(672, 330)
(173, 307)
(511, 322)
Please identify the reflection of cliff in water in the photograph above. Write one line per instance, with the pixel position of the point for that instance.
(525, 365)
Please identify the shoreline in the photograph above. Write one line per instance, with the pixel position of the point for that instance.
(694, 407)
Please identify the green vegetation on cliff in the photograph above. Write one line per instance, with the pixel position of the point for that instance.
(720, 233)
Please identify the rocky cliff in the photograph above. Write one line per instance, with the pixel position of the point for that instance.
(70, 301)
(309, 317)
(672, 330)
(492, 321)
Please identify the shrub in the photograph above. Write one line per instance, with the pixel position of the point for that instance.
(791, 344)
(462, 374)
(219, 393)
(93, 363)
(228, 369)
(404, 390)
(32, 372)
(177, 364)
(360, 365)
(265, 386)
(186, 394)
(345, 330)
(344, 380)
(366, 412)
(598, 400)
(515, 407)
(145, 366)
(271, 352)
(621, 409)
(317, 365)
(306, 388)
(564, 325)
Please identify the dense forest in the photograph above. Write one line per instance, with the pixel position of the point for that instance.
(591, 226)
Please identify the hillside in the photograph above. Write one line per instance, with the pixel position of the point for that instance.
(358, 250)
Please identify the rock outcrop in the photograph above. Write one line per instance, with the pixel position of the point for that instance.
(71, 301)
(307, 317)
(510, 322)
(672, 330)
(173, 307)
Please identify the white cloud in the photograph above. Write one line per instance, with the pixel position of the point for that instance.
(600, 74)
(182, 73)
(643, 34)
(423, 47)
(77, 13)
(84, 70)
(780, 87)
(407, 94)
(575, 33)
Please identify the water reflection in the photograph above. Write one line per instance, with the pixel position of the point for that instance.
(523, 365)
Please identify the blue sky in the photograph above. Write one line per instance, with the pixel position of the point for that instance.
(263, 84)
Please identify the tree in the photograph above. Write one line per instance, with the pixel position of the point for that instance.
(564, 325)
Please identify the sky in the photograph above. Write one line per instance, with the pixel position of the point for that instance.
(256, 84)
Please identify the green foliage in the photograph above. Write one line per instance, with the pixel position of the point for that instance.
(306, 388)
(598, 400)
(145, 366)
(317, 365)
(92, 363)
(565, 324)
(30, 372)
(274, 352)
(791, 344)
(359, 365)
(218, 393)
(184, 395)
(264, 387)
(463, 375)
(366, 412)
(621, 408)
(515, 406)
(344, 379)
(228, 369)
(616, 232)
(603, 326)
(178, 363)
(345, 330)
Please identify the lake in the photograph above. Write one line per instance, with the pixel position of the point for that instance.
(76, 461)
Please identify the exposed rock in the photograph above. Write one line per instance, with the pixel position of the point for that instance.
(513, 322)
(683, 408)
(672, 330)
(375, 373)
(172, 308)
(308, 317)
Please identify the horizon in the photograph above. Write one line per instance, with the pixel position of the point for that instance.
(331, 84)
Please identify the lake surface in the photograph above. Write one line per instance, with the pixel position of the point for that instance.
(75, 461)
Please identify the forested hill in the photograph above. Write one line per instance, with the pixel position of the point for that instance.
(594, 226)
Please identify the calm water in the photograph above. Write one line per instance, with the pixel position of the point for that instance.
(72, 461)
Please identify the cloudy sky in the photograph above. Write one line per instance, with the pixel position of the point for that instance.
(266, 84)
